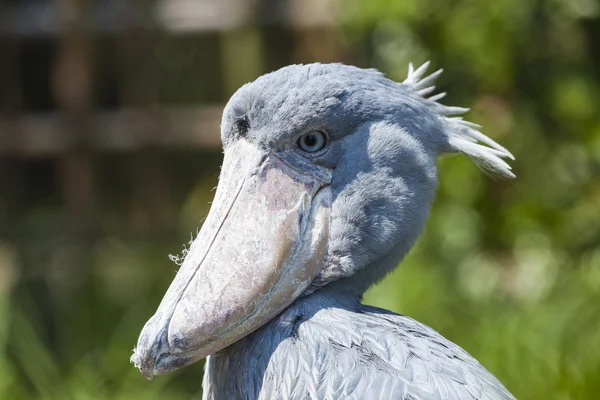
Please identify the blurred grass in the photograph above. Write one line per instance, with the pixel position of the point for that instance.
(508, 270)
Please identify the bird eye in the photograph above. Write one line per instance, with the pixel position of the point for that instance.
(312, 141)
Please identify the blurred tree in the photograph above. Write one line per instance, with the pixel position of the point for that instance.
(509, 270)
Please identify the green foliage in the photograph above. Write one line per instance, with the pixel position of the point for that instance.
(509, 270)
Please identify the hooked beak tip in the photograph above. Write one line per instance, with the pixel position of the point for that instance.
(158, 357)
(144, 364)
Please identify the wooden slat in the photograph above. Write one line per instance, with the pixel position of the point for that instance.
(42, 18)
(124, 130)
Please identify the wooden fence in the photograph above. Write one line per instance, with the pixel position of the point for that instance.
(81, 79)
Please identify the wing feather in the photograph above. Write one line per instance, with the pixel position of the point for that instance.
(340, 353)
(386, 356)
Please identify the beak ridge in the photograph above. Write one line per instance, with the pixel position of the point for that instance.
(261, 246)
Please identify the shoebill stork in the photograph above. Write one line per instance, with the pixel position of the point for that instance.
(328, 176)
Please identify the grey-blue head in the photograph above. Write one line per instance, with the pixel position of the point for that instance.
(328, 177)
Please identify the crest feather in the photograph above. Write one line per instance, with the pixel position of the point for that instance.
(460, 136)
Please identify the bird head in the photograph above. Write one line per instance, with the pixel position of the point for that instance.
(328, 175)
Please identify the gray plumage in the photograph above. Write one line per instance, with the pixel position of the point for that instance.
(327, 345)
(375, 182)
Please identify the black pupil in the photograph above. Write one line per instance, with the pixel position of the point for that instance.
(310, 140)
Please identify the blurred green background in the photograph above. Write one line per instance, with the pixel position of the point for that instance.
(109, 149)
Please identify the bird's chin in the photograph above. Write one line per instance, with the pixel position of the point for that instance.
(261, 246)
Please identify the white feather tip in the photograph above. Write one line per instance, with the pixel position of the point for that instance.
(460, 135)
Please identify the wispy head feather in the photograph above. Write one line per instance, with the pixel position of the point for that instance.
(460, 136)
